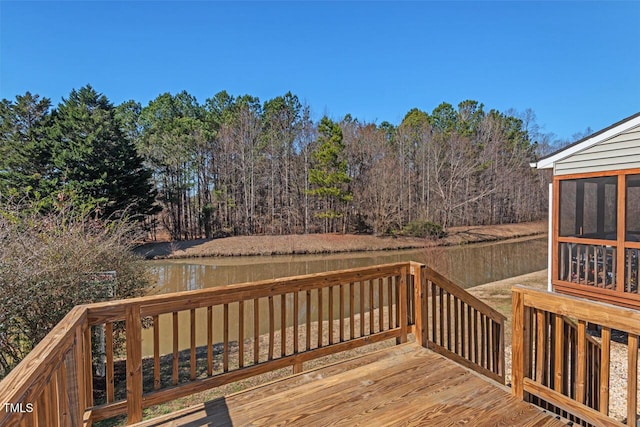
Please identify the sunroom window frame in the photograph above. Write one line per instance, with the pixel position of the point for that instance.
(621, 244)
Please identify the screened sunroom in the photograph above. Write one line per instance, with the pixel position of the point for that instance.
(595, 215)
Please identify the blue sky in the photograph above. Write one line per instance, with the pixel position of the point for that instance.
(575, 64)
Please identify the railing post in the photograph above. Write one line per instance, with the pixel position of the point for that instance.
(581, 362)
(88, 368)
(632, 375)
(134, 364)
(83, 369)
(558, 357)
(501, 361)
(420, 303)
(402, 305)
(73, 377)
(517, 345)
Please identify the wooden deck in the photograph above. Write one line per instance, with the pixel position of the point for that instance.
(405, 385)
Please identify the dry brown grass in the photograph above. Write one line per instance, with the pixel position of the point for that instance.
(331, 243)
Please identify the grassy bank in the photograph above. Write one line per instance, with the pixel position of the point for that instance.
(331, 243)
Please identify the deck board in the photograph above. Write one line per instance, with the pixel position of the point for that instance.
(402, 385)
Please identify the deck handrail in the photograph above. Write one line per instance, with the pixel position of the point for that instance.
(462, 327)
(52, 374)
(539, 347)
(356, 307)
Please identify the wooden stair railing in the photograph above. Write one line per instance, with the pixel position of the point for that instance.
(558, 366)
(236, 332)
(461, 327)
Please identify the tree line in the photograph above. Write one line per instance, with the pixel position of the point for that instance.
(236, 166)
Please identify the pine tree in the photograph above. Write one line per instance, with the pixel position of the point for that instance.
(328, 177)
(24, 151)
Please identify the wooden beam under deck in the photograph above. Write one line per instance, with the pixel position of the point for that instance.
(405, 384)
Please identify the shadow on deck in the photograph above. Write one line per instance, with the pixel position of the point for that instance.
(405, 384)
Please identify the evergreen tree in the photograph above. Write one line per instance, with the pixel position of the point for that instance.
(329, 176)
(24, 151)
(95, 164)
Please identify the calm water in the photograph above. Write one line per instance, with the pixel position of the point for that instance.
(469, 265)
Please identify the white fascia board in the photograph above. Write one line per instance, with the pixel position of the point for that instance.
(549, 161)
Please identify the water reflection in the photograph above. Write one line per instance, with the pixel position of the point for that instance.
(467, 265)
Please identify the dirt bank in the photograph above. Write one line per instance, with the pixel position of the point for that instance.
(330, 243)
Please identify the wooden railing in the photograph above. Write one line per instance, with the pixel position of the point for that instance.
(50, 386)
(463, 328)
(236, 332)
(558, 335)
(559, 366)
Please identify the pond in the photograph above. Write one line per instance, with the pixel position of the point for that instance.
(467, 265)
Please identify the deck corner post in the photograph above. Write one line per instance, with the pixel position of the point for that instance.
(134, 363)
(517, 364)
(419, 303)
(79, 372)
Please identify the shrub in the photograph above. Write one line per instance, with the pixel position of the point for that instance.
(360, 224)
(51, 262)
(422, 228)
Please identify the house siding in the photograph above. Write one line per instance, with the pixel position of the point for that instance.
(619, 152)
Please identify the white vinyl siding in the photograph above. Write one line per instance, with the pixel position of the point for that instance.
(619, 152)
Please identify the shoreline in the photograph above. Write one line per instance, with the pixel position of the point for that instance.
(303, 244)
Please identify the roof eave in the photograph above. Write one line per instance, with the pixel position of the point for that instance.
(620, 127)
